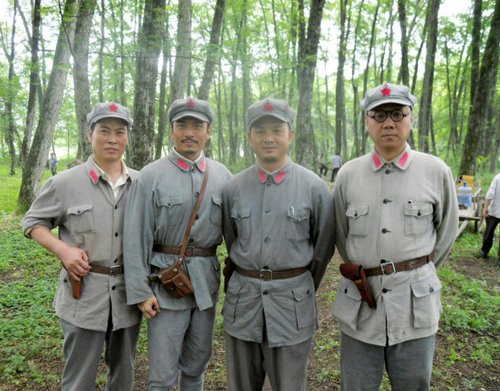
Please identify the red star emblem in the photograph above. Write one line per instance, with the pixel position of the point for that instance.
(190, 103)
(268, 106)
(386, 91)
(113, 107)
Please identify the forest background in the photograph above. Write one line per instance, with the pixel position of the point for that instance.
(59, 58)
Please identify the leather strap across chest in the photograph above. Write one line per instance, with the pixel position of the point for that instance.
(395, 267)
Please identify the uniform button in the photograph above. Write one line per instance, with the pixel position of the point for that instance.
(267, 240)
(268, 211)
(383, 261)
(197, 217)
(191, 240)
(266, 267)
(419, 213)
(265, 292)
(431, 289)
(116, 260)
(113, 287)
(385, 290)
(116, 207)
(268, 183)
(387, 171)
(386, 201)
(197, 194)
(384, 230)
(116, 234)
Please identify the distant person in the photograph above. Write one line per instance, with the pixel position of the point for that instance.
(87, 203)
(323, 168)
(396, 219)
(278, 227)
(491, 212)
(53, 163)
(336, 164)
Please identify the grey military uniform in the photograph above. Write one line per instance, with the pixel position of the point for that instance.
(88, 215)
(160, 205)
(278, 222)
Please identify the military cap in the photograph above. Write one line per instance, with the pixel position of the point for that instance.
(277, 108)
(108, 110)
(190, 107)
(388, 93)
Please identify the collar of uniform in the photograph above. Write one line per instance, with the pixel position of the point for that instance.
(186, 164)
(402, 161)
(95, 172)
(277, 176)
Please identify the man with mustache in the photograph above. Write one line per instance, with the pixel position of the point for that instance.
(397, 217)
(87, 203)
(180, 330)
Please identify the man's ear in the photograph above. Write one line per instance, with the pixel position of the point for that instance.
(89, 135)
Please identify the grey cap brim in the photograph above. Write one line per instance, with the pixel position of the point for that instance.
(283, 118)
(195, 114)
(391, 99)
(113, 115)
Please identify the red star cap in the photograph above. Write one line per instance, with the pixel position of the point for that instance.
(388, 93)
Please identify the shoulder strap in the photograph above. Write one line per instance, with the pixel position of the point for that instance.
(195, 212)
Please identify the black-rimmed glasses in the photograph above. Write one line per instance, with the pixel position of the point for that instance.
(381, 115)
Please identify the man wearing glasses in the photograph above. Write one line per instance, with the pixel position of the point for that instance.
(396, 217)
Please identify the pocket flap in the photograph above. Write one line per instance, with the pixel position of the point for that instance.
(418, 209)
(300, 294)
(348, 288)
(426, 287)
(240, 213)
(298, 214)
(355, 211)
(217, 201)
(79, 209)
(169, 201)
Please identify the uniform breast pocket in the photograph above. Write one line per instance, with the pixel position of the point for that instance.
(358, 219)
(80, 218)
(242, 219)
(418, 218)
(216, 211)
(169, 209)
(297, 227)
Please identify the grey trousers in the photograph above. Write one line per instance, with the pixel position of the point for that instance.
(248, 363)
(408, 364)
(179, 341)
(82, 349)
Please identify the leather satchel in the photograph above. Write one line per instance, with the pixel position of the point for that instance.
(355, 273)
(174, 278)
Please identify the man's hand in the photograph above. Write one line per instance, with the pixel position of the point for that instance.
(75, 261)
(150, 307)
(486, 211)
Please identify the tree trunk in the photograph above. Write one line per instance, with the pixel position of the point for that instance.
(81, 74)
(140, 152)
(182, 52)
(340, 116)
(485, 89)
(308, 52)
(214, 50)
(9, 102)
(404, 73)
(34, 83)
(475, 49)
(50, 108)
(162, 107)
(425, 110)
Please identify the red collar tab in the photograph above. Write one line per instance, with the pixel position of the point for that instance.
(376, 161)
(93, 176)
(201, 165)
(403, 159)
(183, 165)
(277, 178)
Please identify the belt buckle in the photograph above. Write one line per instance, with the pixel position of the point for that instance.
(266, 274)
(115, 270)
(383, 266)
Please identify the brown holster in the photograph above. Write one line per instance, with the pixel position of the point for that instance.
(355, 273)
(76, 286)
(174, 278)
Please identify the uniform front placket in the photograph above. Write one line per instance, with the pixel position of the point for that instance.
(267, 235)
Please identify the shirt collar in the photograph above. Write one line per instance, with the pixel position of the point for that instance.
(277, 176)
(95, 172)
(402, 161)
(186, 164)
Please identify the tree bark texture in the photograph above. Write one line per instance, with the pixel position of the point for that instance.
(51, 105)
(9, 103)
(140, 150)
(81, 74)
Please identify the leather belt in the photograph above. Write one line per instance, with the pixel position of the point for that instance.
(391, 267)
(110, 271)
(190, 251)
(268, 274)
